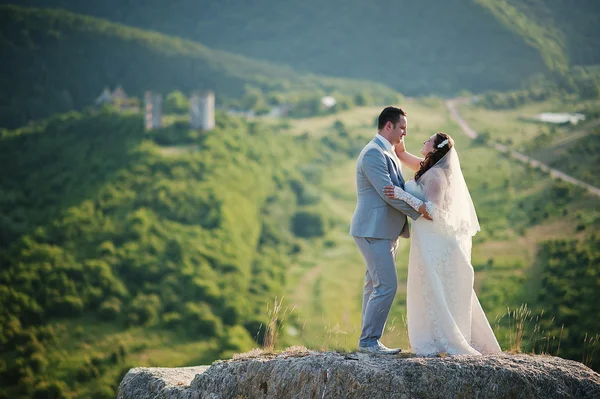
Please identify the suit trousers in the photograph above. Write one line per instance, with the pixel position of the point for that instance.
(381, 284)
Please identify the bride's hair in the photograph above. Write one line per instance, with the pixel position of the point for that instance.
(433, 157)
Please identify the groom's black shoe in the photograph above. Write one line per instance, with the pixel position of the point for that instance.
(379, 349)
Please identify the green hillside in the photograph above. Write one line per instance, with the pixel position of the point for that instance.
(573, 27)
(59, 61)
(430, 46)
(103, 226)
(122, 248)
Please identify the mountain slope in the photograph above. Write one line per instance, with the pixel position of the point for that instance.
(548, 40)
(58, 61)
(431, 46)
(574, 27)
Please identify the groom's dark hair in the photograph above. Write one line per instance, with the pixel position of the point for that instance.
(389, 114)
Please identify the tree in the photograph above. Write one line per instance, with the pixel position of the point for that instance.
(253, 99)
(176, 103)
(308, 224)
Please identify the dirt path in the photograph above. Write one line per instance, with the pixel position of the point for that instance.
(305, 282)
(451, 105)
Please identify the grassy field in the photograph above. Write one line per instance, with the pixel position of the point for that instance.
(324, 287)
(516, 125)
(572, 149)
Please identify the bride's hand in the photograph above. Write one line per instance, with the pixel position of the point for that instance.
(389, 191)
(423, 211)
(400, 147)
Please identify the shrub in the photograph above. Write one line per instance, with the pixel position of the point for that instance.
(176, 103)
(50, 390)
(307, 224)
(87, 372)
(103, 392)
(68, 306)
(201, 320)
(305, 194)
(110, 309)
(144, 309)
(237, 339)
(172, 319)
(38, 362)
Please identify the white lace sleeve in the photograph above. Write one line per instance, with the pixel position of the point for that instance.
(439, 215)
(410, 199)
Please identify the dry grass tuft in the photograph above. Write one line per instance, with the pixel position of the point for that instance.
(254, 353)
(296, 351)
(589, 347)
(276, 316)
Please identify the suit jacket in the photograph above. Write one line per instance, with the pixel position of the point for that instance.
(376, 215)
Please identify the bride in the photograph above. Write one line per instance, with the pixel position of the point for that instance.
(443, 312)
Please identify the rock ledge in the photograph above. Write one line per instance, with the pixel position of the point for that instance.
(357, 375)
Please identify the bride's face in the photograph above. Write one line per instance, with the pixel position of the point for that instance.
(428, 146)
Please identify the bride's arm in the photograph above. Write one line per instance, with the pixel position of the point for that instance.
(414, 202)
(408, 159)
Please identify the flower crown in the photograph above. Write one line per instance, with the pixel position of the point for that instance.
(442, 144)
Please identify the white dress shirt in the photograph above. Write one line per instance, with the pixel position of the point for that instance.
(388, 146)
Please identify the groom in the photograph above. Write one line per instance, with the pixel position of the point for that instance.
(377, 223)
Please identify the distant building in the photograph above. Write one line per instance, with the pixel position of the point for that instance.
(280, 111)
(118, 98)
(119, 94)
(104, 98)
(328, 101)
(202, 110)
(560, 118)
(152, 110)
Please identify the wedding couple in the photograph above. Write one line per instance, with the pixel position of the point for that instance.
(443, 312)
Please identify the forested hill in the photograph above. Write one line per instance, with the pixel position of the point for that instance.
(417, 47)
(115, 225)
(56, 61)
(175, 230)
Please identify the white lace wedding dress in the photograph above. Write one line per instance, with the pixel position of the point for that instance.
(443, 312)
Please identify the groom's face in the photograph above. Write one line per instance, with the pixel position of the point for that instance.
(398, 132)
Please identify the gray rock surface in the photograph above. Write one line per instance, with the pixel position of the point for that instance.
(334, 375)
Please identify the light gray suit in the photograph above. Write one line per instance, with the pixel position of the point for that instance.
(377, 223)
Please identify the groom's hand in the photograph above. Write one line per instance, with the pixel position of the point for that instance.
(389, 191)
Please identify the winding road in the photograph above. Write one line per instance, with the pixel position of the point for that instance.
(451, 105)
